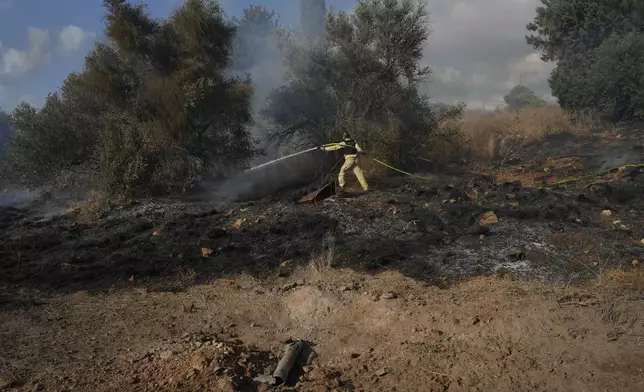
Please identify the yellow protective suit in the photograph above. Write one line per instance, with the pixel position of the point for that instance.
(350, 161)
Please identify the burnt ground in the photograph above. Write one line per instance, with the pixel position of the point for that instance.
(483, 279)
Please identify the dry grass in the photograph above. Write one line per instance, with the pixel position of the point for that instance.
(324, 260)
(90, 210)
(623, 279)
(495, 135)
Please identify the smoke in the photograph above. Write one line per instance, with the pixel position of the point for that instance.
(616, 159)
(299, 169)
(256, 53)
(16, 198)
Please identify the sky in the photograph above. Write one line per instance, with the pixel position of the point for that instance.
(477, 48)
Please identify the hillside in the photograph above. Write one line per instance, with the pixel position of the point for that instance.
(524, 276)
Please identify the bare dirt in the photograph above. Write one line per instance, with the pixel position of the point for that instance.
(487, 280)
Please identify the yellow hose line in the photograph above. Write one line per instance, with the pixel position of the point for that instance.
(401, 171)
(601, 173)
(386, 165)
(561, 182)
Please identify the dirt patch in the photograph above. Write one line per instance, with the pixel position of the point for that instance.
(367, 333)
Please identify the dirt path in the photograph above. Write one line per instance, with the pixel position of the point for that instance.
(384, 333)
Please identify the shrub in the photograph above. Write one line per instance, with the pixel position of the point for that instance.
(152, 111)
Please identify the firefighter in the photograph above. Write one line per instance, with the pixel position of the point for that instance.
(351, 150)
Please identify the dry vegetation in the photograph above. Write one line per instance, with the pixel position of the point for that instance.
(621, 279)
(490, 136)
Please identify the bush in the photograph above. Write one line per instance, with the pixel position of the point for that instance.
(152, 111)
(612, 82)
(521, 97)
(598, 48)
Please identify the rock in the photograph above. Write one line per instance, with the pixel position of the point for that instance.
(489, 218)
(198, 362)
(607, 213)
(381, 372)
(635, 263)
(166, 354)
(205, 252)
(389, 295)
(239, 223)
(289, 286)
(265, 379)
(307, 369)
(263, 388)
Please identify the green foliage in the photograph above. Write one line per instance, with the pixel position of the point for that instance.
(595, 44)
(5, 131)
(59, 136)
(363, 79)
(153, 110)
(611, 83)
(564, 28)
(521, 97)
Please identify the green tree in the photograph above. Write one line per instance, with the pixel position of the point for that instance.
(153, 109)
(564, 28)
(608, 80)
(595, 45)
(5, 131)
(521, 97)
(363, 78)
(60, 136)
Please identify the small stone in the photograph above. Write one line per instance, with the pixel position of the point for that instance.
(289, 286)
(355, 355)
(635, 263)
(607, 213)
(198, 362)
(381, 372)
(205, 252)
(389, 295)
(307, 369)
(166, 354)
(489, 218)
